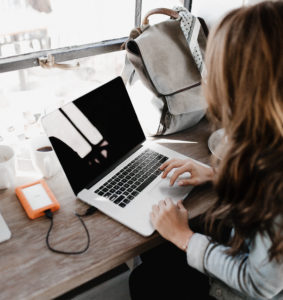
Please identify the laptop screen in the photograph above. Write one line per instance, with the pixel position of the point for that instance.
(93, 132)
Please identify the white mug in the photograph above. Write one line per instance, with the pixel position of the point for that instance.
(217, 143)
(7, 167)
(44, 156)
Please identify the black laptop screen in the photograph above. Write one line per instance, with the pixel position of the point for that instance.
(93, 132)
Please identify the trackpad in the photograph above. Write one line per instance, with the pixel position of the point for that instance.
(163, 190)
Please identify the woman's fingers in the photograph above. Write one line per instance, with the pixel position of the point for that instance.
(182, 166)
(189, 181)
(155, 209)
(154, 214)
(166, 163)
(178, 173)
(180, 205)
(168, 166)
(159, 209)
(164, 204)
(168, 202)
(198, 173)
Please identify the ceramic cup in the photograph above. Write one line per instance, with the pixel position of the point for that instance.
(7, 167)
(43, 156)
(217, 143)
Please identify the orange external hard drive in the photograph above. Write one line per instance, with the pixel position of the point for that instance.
(36, 198)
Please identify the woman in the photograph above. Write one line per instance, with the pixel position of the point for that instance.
(244, 91)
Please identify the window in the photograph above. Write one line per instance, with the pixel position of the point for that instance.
(85, 31)
(34, 25)
(67, 29)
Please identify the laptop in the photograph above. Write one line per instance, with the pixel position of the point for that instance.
(108, 161)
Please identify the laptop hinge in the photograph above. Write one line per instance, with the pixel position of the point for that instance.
(103, 174)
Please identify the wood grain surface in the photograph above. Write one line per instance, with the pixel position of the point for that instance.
(28, 270)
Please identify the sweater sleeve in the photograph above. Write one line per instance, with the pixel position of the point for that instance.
(251, 274)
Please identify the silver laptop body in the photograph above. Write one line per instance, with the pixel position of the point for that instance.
(106, 158)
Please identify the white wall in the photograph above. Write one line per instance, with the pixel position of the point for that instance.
(213, 10)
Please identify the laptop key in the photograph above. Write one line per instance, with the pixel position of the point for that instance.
(157, 172)
(145, 183)
(135, 193)
(122, 204)
(113, 197)
(163, 159)
(119, 199)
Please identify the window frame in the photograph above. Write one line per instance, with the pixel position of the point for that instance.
(29, 60)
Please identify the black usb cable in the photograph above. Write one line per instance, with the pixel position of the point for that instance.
(48, 213)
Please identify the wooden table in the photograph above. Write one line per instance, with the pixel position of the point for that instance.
(28, 270)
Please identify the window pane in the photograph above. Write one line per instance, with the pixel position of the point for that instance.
(147, 5)
(33, 25)
(26, 95)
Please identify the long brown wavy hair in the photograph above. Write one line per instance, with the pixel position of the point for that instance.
(244, 90)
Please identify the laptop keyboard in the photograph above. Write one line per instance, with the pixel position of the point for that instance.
(124, 186)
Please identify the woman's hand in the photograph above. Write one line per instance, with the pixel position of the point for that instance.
(171, 221)
(199, 173)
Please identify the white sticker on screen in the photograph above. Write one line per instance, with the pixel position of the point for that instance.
(37, 196)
